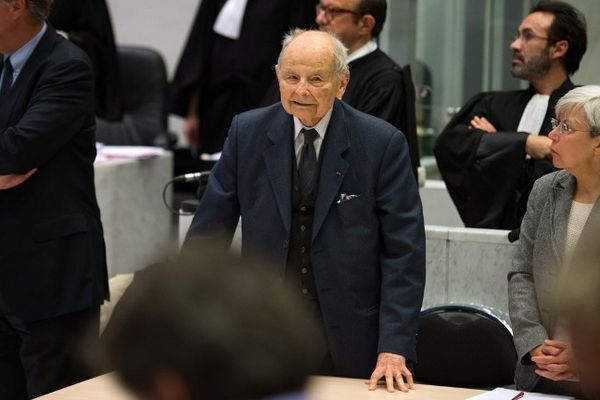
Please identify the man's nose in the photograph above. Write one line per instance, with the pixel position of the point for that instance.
(515, 45)
(321, 19)
(302, 88)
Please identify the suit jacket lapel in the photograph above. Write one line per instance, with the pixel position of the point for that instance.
(41, 51)
(563, 198)
(334, 166)
(278, 160)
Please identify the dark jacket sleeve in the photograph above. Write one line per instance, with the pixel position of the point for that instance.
(55, 113)
(402, 251)
(480, 169)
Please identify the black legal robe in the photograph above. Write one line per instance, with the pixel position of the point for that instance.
(232, 76)
(380, 87)
(87, 22)
(487, 174)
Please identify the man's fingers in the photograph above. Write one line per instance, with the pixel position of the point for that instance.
(409, 378)
(31, 172)
(375, 376)
(389, 381)
(401, 385)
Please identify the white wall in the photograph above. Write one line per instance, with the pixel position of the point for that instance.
(162, 25)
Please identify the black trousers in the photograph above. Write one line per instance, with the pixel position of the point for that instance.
(43, 356)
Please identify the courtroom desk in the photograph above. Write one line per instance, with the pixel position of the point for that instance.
(105, 387)
(330, 388)
(137, 226)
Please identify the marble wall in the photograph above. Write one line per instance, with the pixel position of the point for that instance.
(470, 266)
(137, 226)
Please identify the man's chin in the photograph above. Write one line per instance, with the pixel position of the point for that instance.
(518, 73)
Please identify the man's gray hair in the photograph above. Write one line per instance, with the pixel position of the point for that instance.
(586, 98)
(39, 10)
(340, 53)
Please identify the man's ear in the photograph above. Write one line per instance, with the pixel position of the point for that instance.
(343, 84)
(17, 5)
(597, 147)
(366, 24)
(560, 49)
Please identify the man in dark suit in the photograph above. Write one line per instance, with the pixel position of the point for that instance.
(379, 86)
(327, 196)
(52, 258)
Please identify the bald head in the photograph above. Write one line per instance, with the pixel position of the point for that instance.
(312, 71)
(323, 40)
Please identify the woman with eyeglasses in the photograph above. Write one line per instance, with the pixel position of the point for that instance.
(561, 206)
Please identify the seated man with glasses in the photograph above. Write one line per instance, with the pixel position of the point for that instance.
(492, 151)
(378, 86)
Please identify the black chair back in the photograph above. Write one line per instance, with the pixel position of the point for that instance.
(464, 345)
(144, 101)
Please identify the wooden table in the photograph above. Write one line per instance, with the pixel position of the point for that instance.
(106, 387)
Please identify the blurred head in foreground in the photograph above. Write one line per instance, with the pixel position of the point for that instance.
(216, 327)
(580, 306)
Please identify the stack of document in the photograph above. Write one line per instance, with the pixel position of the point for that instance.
(127, 152)
(507, 394)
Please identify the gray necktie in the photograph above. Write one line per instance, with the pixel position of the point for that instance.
(308, 161)
(7, 79)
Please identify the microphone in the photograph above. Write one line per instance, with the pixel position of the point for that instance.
(201, 177)
(192, 177)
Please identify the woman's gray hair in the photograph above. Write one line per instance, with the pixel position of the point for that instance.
(586, 98)
(340, 53)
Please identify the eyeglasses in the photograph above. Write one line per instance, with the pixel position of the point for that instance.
(565, 129)
(528, 36)
(332, 12)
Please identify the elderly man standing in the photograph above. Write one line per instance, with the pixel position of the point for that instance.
(379, 86)
(326, 195)
(52, 260)
(492, 151)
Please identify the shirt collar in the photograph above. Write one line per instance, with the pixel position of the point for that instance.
(21, 55)
(362, 51)
(320, 127)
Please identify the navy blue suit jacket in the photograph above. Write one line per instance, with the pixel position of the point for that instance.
(52, 257)
(368, 253)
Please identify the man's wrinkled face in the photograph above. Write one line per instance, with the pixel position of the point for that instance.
(307, 81)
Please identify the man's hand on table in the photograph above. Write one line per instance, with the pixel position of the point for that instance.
(393, 368)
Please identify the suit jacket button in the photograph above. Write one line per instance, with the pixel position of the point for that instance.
(285, 244)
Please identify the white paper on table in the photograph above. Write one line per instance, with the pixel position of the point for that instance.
(507, 394)
(129, 152)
